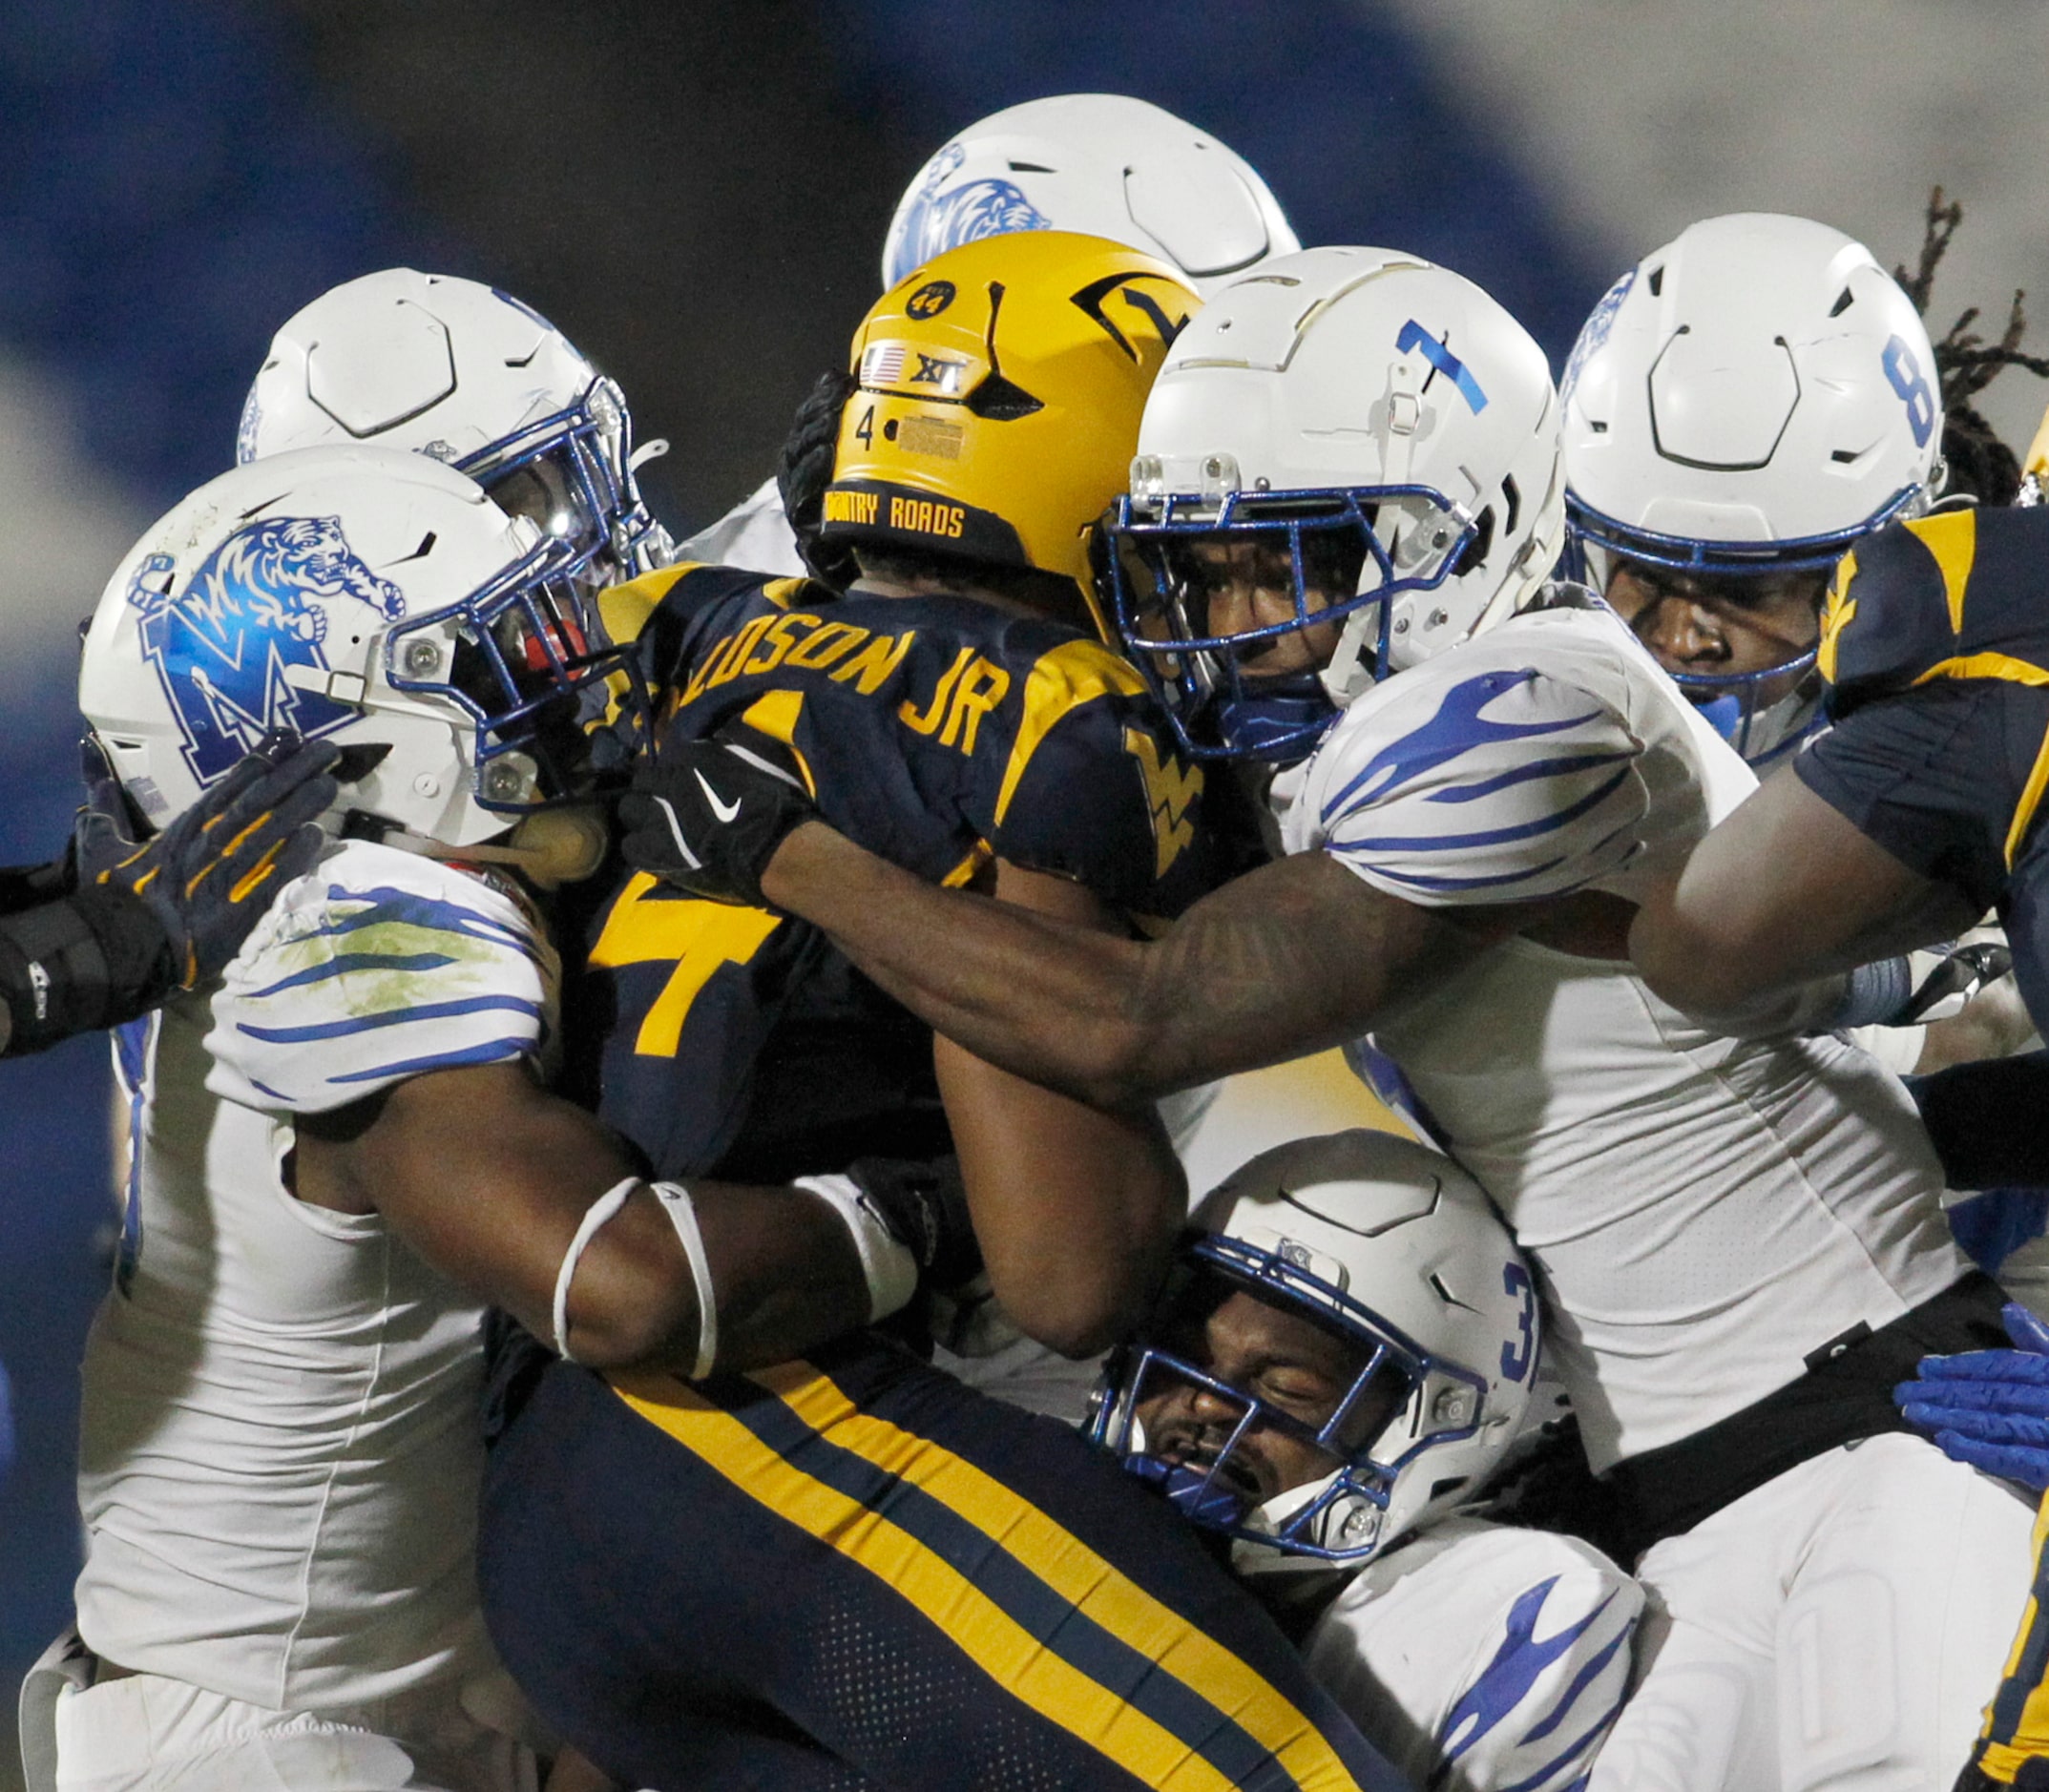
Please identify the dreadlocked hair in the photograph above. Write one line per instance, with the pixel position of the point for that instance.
(1980, 464)
(805, 470)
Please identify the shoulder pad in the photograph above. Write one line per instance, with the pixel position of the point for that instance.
(375, 967)
(1486, 775)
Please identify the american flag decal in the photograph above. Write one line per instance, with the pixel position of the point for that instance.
(883, 364)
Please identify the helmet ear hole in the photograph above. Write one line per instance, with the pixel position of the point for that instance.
(1002, 401)
(1474, 554)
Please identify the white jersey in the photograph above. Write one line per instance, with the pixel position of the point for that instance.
(1480, 1657)
(281, 1447)
(1703, 1213)
(754, 534)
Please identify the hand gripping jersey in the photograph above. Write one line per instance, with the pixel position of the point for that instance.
(941, 733)
(280, 1454)
(1480, 1657)
(1704, 1213)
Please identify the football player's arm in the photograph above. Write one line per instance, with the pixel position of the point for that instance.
(108, 932)
(1075, 1209)
(489, 1178)
(1782, 894)
(1295, 957)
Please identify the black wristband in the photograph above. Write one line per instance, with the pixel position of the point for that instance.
(95, 958)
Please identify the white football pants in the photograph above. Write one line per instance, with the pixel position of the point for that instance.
(147, 1734)
(1842, 1627)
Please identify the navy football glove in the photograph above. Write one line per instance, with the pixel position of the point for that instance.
(207, 878)
(709, 815)
(1989, 1407)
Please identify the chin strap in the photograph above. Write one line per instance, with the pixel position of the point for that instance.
(551, 846)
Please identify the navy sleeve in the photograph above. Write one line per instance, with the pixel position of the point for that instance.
(1936, 775)
(1102, 797)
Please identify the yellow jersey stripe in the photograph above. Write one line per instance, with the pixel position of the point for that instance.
(2027, 1731)
(1061, 679)
(993, 1640)
(626, 608)
(2013, 671)
(1070, 1569)
(2031, 796)
(1952, 542)
(775, 716)
(1986, 666)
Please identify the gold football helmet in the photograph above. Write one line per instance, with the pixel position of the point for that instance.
(999, 398)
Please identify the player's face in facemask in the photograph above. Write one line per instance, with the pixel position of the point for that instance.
(1239, 583)
(1721, 625)
(1289, 1364)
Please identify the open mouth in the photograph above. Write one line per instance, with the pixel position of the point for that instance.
(1229, 1471)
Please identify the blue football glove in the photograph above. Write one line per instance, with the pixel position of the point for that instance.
(1989, 1407)
(709, 815)
(208, 877)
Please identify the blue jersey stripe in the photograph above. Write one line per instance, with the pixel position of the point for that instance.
(344, 963)
(1491, 837)
(395, 1017)
(1503, 1683)
(1590, 1738)
(1580, 1680)
(1457, 728)
(131, 1052)
(1422, 880)
(1525, 774)
(491, 1051)
(408, 909)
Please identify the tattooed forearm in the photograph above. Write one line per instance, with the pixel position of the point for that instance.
(1297, 956)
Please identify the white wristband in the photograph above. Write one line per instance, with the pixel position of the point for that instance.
(890, 1270)
(599, 1211)
(683, 1214)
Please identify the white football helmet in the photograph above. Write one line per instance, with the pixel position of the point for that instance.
(1749, 398)
(364, 595)
(1100, 164)
(1391, 427)
(467, 375)
(1393, 1248)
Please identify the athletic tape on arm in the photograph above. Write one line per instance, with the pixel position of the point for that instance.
(683, 1214)
(599, 1211)
(887, 1262)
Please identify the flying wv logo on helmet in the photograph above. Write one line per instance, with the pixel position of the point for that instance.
(222, 645)
(938, 221)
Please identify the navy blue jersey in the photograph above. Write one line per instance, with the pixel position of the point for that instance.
(858, 1571)
(1936, 646)
(1963, 594)
(942, 734)
(854, 1572)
